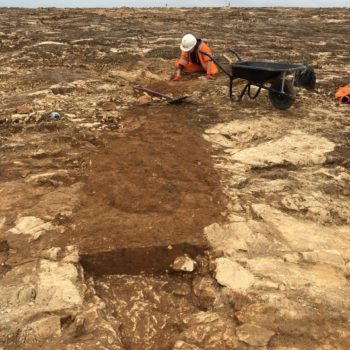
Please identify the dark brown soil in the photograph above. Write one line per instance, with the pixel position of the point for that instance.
(154, 187)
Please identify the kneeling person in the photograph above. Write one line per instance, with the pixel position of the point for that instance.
(192, 60)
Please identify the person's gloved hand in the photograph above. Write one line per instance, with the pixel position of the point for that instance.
(210, 77)
(176, 78)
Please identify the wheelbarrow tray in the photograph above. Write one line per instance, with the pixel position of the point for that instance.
(257, 73)
(260, 72)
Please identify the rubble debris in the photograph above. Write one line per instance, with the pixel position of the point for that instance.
(231, 274)
(38, 331)
(31, 225)
(254, 335)
(183, 263)
(24, 109)
(109, 106)
(144, 99)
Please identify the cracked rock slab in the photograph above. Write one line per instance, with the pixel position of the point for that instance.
(230, 237)
(183, 263)
(254, 335)
(298, 149)
(31, 225)
(231, 274)
(209, 330)
(35, 288)
(305, 235)
(37, 331)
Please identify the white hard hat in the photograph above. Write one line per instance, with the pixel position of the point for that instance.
(188, 42)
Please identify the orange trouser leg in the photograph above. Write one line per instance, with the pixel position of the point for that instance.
(190, 67)
(193, 68)
(213, 69)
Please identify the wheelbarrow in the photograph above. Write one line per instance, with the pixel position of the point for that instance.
(260, 73)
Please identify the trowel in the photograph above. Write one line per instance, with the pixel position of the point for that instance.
(169, 99)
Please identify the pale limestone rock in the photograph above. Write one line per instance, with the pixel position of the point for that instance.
(296, 276)
(265, 284)
(321, 284)
(62, 89)
(40, 330)
(51, 254)
(234, 133)
(293, 202)
(57, 285)
(47, 176)
(203, 287)
(32, 289)
(303, 235)
(209, 330)
(25, 295)
(230, 274)
(331, 257)
(254, 335)
(106, 87)
(183, 263)
(19, 118)
(229, 237)
(261, 314)
(298, 148)
(316, 205)
(90, 125)
(40, 93)
(31, 225)
(71, 254)
(259, 186)
(292, 258)
(273, 186)
(235, 218)
(49, 43)
(90, 317)
(181, 345)
(220, 140)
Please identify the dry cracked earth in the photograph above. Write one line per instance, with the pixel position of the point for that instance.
(130, 223)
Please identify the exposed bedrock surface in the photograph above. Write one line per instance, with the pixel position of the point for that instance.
(130, 223)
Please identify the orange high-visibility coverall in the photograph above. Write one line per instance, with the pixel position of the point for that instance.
(190, 66)
(343, 94)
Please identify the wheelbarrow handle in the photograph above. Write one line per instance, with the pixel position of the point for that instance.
(207, 54)
(236, 54)
(216, 62)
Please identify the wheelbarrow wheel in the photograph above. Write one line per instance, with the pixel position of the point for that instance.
(282, 101)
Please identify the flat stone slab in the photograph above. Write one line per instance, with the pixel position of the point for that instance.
(254, 335)
(297, 149)
(231, 274)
